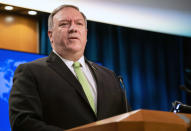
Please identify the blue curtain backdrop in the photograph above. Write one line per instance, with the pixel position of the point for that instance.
(187, 67)
(151, 64)
(45, 47)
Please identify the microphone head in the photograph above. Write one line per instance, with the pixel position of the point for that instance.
(120, 78)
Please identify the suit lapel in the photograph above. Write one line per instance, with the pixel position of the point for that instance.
(99, 81)
(60, 67)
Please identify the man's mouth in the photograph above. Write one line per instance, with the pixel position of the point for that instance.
(73, 38)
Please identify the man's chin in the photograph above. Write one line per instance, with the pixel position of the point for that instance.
(75, 49)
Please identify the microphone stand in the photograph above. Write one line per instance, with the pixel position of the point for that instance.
(125, 91)
(184, 88)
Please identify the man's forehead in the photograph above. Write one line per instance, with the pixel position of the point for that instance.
(68, 13)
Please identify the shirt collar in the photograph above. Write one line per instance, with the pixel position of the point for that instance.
(69, 62)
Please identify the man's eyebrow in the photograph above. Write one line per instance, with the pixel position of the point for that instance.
(79, 19)
(66, 20)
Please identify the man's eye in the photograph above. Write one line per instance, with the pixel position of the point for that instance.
(64, 24)
(80, 23)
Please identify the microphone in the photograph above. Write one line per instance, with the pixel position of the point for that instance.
(124, 90)
(179, 107)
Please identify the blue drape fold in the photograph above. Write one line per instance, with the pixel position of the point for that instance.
(45, 47)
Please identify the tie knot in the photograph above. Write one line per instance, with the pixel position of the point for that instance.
(76, 64)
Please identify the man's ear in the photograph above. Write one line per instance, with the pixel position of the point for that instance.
(87, 35)
(50, 36)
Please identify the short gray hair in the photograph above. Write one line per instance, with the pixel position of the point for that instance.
(50, 18)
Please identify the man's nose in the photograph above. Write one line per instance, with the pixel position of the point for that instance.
(73, 28)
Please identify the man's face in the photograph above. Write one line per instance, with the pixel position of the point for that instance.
(69, 32)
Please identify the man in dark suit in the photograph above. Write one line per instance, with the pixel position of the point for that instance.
(48, 94)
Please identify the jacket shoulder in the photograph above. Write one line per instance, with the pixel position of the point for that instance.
(100, 67)
(39, 61)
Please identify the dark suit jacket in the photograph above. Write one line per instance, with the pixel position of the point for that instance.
(46, 96)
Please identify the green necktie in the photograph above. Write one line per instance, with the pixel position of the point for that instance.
(84, 82)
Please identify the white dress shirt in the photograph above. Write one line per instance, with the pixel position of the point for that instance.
(86, 71)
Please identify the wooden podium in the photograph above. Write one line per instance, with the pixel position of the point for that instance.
(141, 120)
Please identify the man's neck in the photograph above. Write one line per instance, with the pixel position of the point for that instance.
(72, 57)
